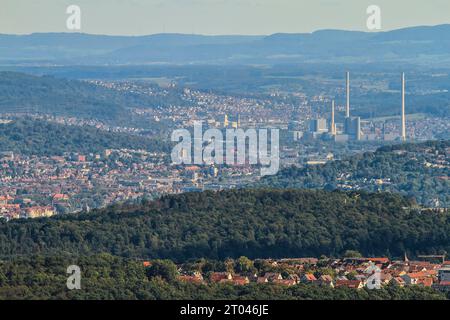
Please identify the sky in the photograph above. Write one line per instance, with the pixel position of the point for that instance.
(250, 17)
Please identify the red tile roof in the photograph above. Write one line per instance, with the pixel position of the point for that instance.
(262, 280)
(353, 284)
(422, 274)
(239, 282)
(310, 277)
(285, 282)
(219, 276)
(326, 278)
(427, 282)
(379, 260)
(191, 279)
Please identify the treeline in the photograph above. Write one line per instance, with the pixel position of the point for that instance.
(438, 146)
(407, 172)
(37, 137)
(108, 277)
(252, 223)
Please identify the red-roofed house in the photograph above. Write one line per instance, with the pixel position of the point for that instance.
(262, 280)
(190, 279)
(240, 280)
(399, 281)
(417, 277)
(285, 282)
(326, 280)
(426, 282)
(352, 284)
(220, 276)
(271, 276)
(308, 277)
(379, 260)
(60, 197)
(5, 199)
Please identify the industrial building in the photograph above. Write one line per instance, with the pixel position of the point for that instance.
(351, 128)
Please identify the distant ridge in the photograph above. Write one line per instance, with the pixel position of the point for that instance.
(402, 45)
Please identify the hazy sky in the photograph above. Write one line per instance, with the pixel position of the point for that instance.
(137, 17)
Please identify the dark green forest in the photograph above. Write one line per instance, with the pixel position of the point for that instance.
(405, 166)
(114, 278)
(253, 223)
(36, 137)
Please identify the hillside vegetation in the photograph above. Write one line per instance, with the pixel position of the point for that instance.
(417, 171)
(114, 278)
(36, 137)
(23, 93)
(253, 223)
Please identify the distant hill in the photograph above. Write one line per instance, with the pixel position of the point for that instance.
(418, 45)
(23, 93)
(254, 223)
(78, 48)
(412, 170)
(35, 137)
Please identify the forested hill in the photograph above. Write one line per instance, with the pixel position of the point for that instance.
(36, 137)
(254, 223)
(419, 170)
(22, 93)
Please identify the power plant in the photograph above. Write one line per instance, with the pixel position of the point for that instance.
(351, 128)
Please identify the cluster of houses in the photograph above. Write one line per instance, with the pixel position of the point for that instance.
(354, 273)
(41, 186)
(13, 210)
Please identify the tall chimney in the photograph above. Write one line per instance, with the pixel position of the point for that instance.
(347, 110)
(403, 109)
(358, 129)
(333, 125)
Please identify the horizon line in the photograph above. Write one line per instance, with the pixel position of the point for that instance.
(222, 35)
